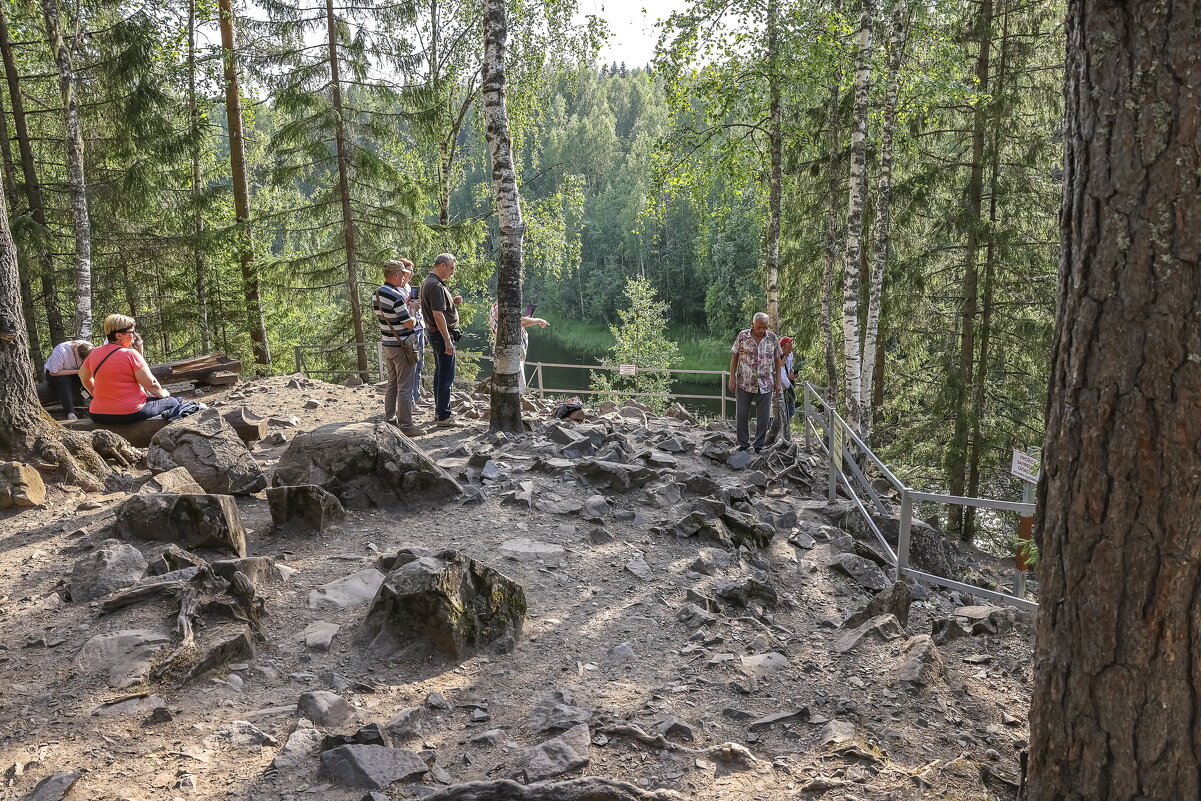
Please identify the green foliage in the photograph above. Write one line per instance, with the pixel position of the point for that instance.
(640, 339)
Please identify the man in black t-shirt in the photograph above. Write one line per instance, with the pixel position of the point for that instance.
(441, 312)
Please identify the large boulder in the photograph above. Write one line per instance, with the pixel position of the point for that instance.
(305, 508)
(21, 485)
(929, 550)
(112, 566)
(177, 480)
(191, 521)
(448, 601)
(123, 657)
(894, 600)
(363, 465)
(211, 451)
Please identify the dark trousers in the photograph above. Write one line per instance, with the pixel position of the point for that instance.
(742, 410)
(66, 387)
(444, 376)
(153, 408)
(416, 386)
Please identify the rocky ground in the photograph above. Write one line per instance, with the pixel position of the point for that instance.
(687, 630)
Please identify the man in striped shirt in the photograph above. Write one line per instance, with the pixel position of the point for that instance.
(396, 329)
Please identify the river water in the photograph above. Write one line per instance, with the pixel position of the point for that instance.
(544, 348)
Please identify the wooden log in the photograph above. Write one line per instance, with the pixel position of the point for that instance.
(219, 378)
(139, 434)
(250, 426)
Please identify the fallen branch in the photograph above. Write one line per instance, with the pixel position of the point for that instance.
(588, 788)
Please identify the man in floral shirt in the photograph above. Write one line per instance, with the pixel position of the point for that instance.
(754, 366)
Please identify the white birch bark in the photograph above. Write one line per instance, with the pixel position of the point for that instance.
(831, 249)
(852, 355)
(506, 399)
(896, 53)
(81, 223)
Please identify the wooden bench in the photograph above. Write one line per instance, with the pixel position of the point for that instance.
(250, 427)
(211, 369)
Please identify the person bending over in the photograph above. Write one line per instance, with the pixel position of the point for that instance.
(62, 372)
(123, 389)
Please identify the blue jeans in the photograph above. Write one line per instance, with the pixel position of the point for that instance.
(153, 408)
(444, 376)
(419, 365)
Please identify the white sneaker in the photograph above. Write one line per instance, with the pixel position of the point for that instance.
(72, 416)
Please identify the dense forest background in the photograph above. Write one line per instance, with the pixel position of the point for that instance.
(916, 142)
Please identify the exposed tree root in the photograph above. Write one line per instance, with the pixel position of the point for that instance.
(728, 753)
(588, 788)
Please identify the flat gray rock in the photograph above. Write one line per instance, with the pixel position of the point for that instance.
(557, 756)
(863, 572)
(837, 732)
(524, 549)
(54, 787)
(123, 657)
(319, 635)
(640, 568)
(759, 664)
(373, 767)
(354, 590)
(558, 711)
(325, 708)
(239, 734)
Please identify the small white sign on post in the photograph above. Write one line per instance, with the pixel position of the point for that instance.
(626, 369)
(1026, 466)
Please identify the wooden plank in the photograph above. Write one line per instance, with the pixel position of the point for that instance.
(219, 378)
(250, 426)
(139, 434)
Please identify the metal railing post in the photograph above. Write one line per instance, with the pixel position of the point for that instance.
(903, 531)
(541, 388)
(832, 490)
(724, 381)
(805, 420)
(379, 361)
(299, 359)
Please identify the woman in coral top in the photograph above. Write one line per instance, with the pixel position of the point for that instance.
(123, 389)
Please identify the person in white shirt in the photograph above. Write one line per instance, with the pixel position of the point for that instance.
(62, 372)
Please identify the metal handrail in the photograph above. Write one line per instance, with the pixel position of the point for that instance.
(831, 423)
(302, 367)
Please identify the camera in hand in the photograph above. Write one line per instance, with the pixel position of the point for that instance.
(456, 334)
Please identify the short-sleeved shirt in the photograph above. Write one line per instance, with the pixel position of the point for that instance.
(756, 370)
(392, 312)
(117, 389)
(64, 357)
(435, 296)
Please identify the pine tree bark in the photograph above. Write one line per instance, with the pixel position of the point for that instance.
(852, 350)
(33, 188)
(779, 432)
(73, 133)
(202, 304)
(241, 187)
(27, 434)
(28, 310)
(506, 366)
(342, 150)
(896, 52)
(957, 452)
(1117, 688)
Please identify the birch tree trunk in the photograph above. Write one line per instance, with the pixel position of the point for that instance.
(506, 397)
(896, 53)
(852, 355)
(206, 335)
(1117, 684)
(33, 188)
(81, 224)
(342, 150)
(237, 164)
(833, 190)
